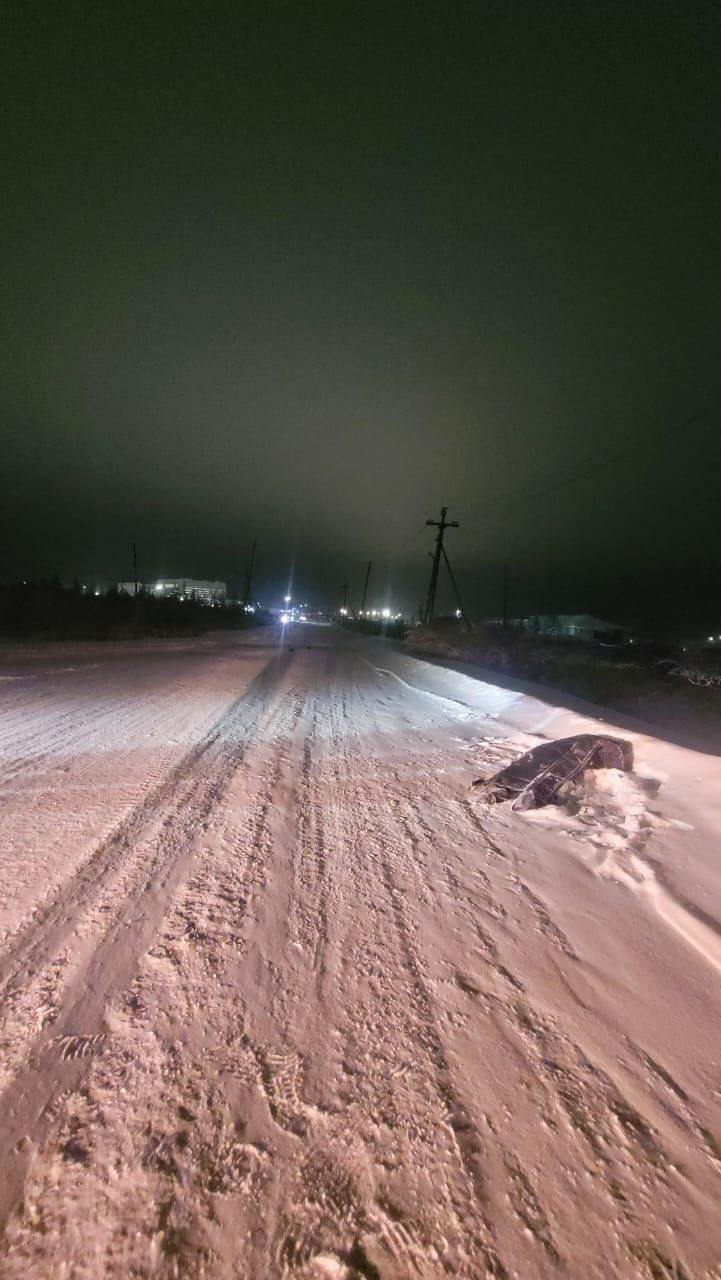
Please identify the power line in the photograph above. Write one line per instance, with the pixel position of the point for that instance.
(529, 495)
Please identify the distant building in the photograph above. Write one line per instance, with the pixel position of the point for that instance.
(575, 626)
(180, 589)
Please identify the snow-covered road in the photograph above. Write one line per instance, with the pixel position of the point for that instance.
(282, 998)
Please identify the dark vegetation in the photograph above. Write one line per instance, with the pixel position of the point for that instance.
(49, 611)
(395, 627)
(674, 690)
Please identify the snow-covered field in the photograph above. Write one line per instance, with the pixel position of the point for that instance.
(281, 997)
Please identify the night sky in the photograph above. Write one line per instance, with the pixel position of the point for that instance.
(309, 271)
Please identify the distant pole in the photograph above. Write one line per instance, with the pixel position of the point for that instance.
(441, 525)
(249, 575)
(505, 595)
(365, 589)
(454, 584)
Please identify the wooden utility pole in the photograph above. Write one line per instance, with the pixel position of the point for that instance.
(454, 584)
(365, 589)
(344, 606)
(441, 525)
(249, 575)
(505, 595)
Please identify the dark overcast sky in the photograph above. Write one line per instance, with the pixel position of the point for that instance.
(311, 270)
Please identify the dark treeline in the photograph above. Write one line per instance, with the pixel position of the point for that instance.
(49, 611)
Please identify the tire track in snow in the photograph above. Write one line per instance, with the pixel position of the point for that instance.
(43, 935)
(199, 782)
(593, 1104)
(364, 799)
(311, 898)
(188, 1150)
(467, 1137)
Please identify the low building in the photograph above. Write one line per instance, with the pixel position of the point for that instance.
(205, 592)
(576, 626)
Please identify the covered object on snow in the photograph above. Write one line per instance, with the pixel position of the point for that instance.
(537, 777)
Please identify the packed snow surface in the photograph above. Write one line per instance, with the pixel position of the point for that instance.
(281, 997)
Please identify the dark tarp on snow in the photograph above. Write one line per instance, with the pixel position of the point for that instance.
(537, 777)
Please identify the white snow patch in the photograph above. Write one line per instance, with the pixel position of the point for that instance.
(452, 703)
(614, 818)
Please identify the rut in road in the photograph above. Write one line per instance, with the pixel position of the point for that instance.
(376, 1033)
(172, 816)
(307, 1181)
(47, 927)
(201, 934)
